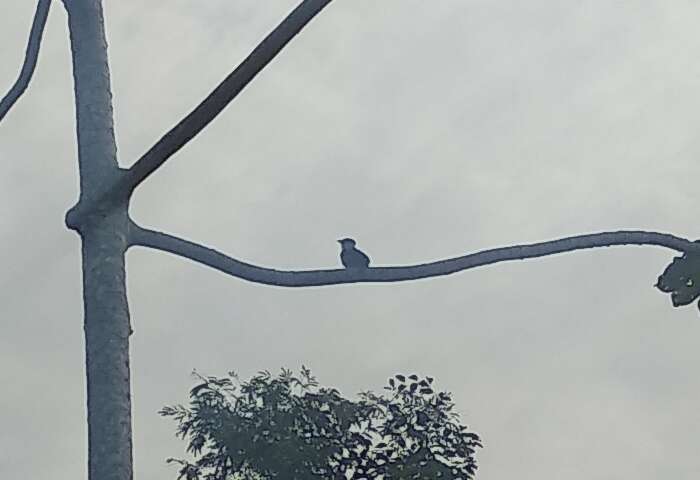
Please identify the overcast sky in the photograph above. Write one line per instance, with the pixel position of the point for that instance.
(425, 130)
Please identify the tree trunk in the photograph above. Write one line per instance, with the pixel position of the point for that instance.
(107, 353)
(102, 224)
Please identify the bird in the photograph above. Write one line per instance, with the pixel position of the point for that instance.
(350, 256)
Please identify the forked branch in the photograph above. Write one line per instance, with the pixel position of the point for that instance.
(222, 95)
(30, 58)
(312, 278)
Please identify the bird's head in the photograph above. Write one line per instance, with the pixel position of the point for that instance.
(346, 242)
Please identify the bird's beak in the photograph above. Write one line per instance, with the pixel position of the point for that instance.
(339, 241)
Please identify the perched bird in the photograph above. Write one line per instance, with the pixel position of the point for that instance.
(351, 256)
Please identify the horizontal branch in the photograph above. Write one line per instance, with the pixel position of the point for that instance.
(312, 278)
(222, 95)
(30, 58)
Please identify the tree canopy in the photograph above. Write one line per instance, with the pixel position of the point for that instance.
(287, 426)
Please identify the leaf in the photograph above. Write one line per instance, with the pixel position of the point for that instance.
(195, 390)
(421, 418)
(279, 430)
(681, 279)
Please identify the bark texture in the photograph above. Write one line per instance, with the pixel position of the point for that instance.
(103, 229)
(107, 333)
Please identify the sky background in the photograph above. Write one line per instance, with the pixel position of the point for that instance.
(425, 130)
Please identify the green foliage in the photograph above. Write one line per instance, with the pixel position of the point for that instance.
(681, 279)
(286, 426)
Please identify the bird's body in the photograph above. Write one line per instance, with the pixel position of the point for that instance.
(350, 256)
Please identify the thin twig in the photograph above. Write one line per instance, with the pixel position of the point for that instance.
(222, 95)
(30, 58)
(310, 278)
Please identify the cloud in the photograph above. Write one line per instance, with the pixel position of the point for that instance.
(424, 131)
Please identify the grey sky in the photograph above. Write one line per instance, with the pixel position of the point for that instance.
(422, 129)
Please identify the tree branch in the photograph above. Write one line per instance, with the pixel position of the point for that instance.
(30, 58)
(222, 95)
(311, 278)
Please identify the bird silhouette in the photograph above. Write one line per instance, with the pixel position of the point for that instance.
(350, 256)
